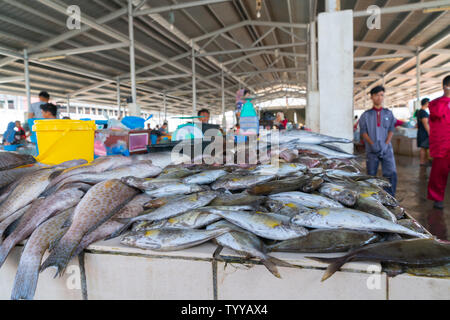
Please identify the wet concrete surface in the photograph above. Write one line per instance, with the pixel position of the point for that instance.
(412, 195)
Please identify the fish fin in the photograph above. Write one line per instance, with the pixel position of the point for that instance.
(334, 264)
(26, 279)
(60, 257)
(279, 262)
(271, 267)
(122, 229)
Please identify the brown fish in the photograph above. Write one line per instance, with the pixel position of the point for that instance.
(99, 204)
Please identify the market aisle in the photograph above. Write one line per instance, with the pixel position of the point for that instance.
(412, 195)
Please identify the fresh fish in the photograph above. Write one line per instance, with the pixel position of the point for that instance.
(170, 239)
(8, 221)
(40, 210)
(339, 174)
(29, 188)
(278, 186)
(306, 199)
(267, 225)
(397, 211)
(10, 160)
(324, 241)
(140, 169)
(28, 271)
(282, 170)
(412, 224)
(236, 182)
(70, 164)
(313, 184)
(374, 207)
(345, 218)
(100, 203)
(412, 253)
(180, 205)
(9, 176)
(285, 208)
(289, 155)
(205, 177)
(380, 183)
(303, 136)
(328, 153)
(98, 165)
(237, 199)
(173, 189)
(434, 272)
(248, 244)
(339, 193)
(176, 173)
(148, 184)
(367, 189)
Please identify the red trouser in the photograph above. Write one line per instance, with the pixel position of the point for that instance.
(438, 178)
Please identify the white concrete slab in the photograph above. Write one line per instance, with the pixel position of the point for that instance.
(239, 282)
(408, 287)
(299, 259)
(204, 251)
(138, 278)
(67, 287)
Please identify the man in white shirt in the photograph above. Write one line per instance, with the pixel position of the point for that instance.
(34, 110)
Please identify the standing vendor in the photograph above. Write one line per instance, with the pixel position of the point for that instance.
(204, 114)
(440, 146)
(34, 110)
(377, 128)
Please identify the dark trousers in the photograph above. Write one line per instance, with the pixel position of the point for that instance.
(387, 166)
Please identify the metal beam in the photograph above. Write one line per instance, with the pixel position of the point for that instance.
(405, 8)
(387, 46)
(288, 45)
(176, 7)
(385, 56)
(12, 79)
(80, 50)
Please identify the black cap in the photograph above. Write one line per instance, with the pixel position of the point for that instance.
(424, 101)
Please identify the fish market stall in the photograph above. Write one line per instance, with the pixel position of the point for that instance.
(310, 225)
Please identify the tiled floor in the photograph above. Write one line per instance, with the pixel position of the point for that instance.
(412, 195)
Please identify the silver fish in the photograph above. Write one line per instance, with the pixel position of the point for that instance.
(327, 152)
(170, 239)
(237, 182)
(148, 184)
(173, 189)
(306, 199)
(28, 271)
(99, 204)
(339, 193)
(9, 176)
(247, 243)
(29, 188)
(345, 218)
(282, 170)
(375, 207)
(205, 177)
(267, 225)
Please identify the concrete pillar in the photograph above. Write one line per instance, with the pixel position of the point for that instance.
(133, 107)
(27, 81)
(332, 5)
(335, 46)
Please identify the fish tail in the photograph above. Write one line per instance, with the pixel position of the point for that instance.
(334, 264)
(279, 262)
(60, 256)
(26, 279)
(271, 267)
(5, 249)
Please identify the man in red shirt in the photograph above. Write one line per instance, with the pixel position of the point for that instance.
(439, 145)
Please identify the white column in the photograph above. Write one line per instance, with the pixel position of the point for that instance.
(418, 80)
(27, 79)
(336, 74)
(133, 107)
(332, 5)
(68, 106)
(165, 107)
(312, 111)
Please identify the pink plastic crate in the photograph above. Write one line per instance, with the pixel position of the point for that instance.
(138, 141)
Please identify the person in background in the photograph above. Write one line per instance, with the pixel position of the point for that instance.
(439, 145)
(204, 113)
(20, 134)
(164, 129)
(423, 132)
(241, 97)
(34, 110)
(66, 118)
(148, 126)
(49, 111)
(377, 128)
(9, 134)
(280, 122)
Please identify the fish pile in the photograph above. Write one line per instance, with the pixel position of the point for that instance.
(310, 202)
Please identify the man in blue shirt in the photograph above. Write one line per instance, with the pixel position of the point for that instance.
(377, 127)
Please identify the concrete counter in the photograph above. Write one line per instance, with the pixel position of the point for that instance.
(114, 271)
